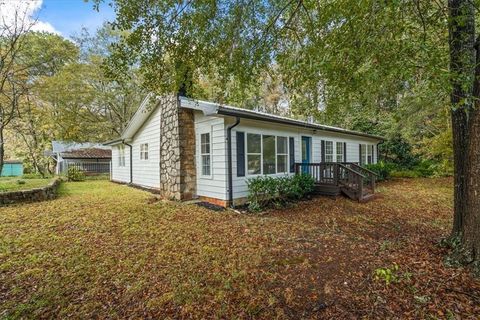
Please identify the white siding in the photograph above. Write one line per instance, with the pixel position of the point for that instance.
(239, 183)
(120, 174)
(214, 186)
(146, 173)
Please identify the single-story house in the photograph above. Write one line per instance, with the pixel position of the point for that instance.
(186, 149)
(87, 156)
(12, 168)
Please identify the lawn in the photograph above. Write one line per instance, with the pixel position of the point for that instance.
(103, 250)
(12, 183)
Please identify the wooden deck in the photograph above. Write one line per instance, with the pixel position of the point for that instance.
(335, 178)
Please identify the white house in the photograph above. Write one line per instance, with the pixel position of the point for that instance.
(185, 149)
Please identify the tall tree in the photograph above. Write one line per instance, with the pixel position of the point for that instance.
(13, 69)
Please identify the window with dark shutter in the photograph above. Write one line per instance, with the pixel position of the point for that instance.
(240, 154)
(360, 161)
(344, 152)
(323, 150)
(291, 151)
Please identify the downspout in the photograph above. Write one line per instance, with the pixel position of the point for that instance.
(229, 159)
(131, 160)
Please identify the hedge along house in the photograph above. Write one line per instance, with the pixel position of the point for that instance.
(185, 149)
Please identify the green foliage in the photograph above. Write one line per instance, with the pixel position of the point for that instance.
(20, 181)
(34, 176)
(265, 191)
(75, 174)
(399, 152)
(388, 275)
(382, 169)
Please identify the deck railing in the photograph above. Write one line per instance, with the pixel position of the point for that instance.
(350, 177)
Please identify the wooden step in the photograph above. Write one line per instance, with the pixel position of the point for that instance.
(367, 197)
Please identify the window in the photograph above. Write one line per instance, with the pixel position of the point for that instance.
(268, 154)
(144, 151)
(282, 154)
(369, 154)
(363, 148)
(205, 154)
(254, 153)
(121, 155)
(340, 156)
(328, 151)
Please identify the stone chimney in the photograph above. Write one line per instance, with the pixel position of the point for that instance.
(177, 150)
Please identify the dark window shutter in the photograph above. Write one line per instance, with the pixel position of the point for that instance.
(323, 150)
(344, 152)
(240, 154)
(292, 154)
(373, 150)
(360, 154)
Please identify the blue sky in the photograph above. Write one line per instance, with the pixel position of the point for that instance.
(69, 16)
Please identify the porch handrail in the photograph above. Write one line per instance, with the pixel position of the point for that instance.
(363, 168)
(351, 170)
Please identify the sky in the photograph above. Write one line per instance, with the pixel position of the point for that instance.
(64, 17)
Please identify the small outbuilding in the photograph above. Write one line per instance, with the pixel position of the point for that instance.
(12, 168)
(89, 157)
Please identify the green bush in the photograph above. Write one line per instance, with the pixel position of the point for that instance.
(20, 181)
(266, 191)
(382, 169)
(75, 174)
(405, 174)
(425, 168)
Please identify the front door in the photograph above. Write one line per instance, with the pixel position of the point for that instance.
(306, 151)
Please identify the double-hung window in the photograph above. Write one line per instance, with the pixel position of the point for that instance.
(282, 154)
(254, 153)
(266, 154)
(121, 155)
(144, 151)
(328, 151)
(340, 155)
(205, 153)
(369, 154)
(363, 158)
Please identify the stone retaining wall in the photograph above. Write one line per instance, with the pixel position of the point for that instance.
(38, 194)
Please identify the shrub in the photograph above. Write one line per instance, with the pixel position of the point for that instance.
(425, 168)
(265, 191)
(20, 181)
(75, 174)
(405, 174)
(382, 169)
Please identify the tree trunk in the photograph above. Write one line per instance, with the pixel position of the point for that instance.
(2, 150)
(466, 127)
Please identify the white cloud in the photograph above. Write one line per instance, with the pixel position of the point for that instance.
(27, 10)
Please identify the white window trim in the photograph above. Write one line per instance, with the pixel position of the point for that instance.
(341, 149)
(333, 154)
(144, 152)
(205, 176)
(121, 155)
(287, 166)
(279, 174)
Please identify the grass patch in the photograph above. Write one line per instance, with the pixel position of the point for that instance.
(16, 183)
(103, 250)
